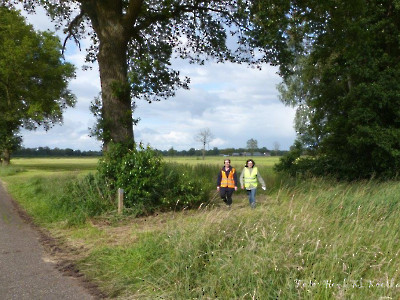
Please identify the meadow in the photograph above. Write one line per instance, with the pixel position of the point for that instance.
(55, 164)
(307, 239)
(236, 161)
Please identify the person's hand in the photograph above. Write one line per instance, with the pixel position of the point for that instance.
(217, 188)
(242, 187)
(235, 188)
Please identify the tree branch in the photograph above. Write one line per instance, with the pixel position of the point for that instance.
(179, 9)
(5, 84)
(70, 30)
(133, 12)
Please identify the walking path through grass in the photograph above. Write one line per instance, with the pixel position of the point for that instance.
(26, 272)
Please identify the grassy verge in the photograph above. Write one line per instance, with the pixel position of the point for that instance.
(315, 239)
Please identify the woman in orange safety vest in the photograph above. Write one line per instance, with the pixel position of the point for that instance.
(227, 182)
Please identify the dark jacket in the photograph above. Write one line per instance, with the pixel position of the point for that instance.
(227, 175)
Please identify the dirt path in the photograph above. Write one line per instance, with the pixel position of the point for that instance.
(26, 269)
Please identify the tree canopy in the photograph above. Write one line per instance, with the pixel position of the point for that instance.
(204, 136)
(343, 75)
(252, 144)
(134, 42)
(33, 80)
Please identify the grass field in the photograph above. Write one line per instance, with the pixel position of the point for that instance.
(236, 161)
(56, 164)
(81, 164)
(309, 239)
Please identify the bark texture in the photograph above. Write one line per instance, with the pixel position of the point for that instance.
(109, 23)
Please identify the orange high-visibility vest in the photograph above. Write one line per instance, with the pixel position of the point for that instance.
(228, 181)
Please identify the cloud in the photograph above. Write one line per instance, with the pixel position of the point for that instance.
(236, 102)
(72, 134)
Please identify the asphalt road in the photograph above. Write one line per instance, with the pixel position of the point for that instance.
(26, 270)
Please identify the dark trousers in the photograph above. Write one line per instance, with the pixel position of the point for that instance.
(226, 194)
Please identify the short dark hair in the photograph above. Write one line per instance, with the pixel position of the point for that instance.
(251, 161)
(227, 160)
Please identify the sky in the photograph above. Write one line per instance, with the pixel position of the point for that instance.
(235, 102)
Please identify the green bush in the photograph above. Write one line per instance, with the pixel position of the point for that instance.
(141, 177)
(186, 186)
(109, 165)
(295, 163)
(149, 183)
(288, 163)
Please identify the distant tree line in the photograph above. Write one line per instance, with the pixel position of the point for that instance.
(228, 151)
(68, 152)
(56, 152)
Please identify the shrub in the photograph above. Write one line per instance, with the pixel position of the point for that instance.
(288, 163)
(141, 177)
(296, 164)
(186, 186)
(149, 183)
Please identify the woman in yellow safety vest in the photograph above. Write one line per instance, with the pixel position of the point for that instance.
(248, 180)
(227, 182)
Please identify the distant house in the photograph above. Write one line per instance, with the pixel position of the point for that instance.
(249, 154)
(235, 154)
(267, 153)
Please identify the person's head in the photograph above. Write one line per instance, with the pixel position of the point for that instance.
(227, 162)
(250, 163)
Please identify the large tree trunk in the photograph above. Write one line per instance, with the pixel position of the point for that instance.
(112, 59)
(117, 112)
(6, 158)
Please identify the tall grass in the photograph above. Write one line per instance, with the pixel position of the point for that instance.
(309, 238)
(63, 198)
(10, 170)
(38, 194)
(319, 240)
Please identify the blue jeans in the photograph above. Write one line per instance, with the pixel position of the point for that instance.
(252, 197)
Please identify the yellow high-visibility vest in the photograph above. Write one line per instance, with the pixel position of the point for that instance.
(250, 180)
(228, 181)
